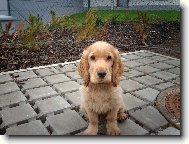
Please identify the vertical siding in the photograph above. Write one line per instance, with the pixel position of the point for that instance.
(22, 8)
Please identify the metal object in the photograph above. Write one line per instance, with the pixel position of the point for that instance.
(168, 103)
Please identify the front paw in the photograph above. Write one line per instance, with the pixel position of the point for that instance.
(113, 131)
(122, 117)
(90, 131)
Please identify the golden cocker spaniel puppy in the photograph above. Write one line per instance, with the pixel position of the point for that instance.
(101, 68)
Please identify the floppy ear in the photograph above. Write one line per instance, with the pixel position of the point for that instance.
(83, 68)
(117, 68)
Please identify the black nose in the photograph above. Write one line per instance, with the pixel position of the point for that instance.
(101, 74)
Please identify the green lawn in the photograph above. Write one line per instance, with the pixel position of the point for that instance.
(130, 15)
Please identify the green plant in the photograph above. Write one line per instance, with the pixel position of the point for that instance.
(92, 24)
(142, 26)
(1, 29)
(56, 21)
(114, 19)
(5, 31)
(35, 24)
(28, 36)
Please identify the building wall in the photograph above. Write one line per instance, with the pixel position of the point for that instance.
(135, 4)
(3, 7)
(154, 2)
(23, 8)
(99, 3)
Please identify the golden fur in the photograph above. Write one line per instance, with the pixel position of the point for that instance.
(101, 95)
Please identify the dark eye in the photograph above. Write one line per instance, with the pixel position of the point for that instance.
(92, 57)
(109, 58)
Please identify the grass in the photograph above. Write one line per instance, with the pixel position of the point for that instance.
(130, 15)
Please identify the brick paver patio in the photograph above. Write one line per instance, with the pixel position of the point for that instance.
(45, 100)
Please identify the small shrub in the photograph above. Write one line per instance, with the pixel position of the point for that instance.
(142, 26)
(5, 31)
(114, 19)
(99, 22)
(1, 28)
(57, 22)
(35, 24)
(28, 37)
(91, 26)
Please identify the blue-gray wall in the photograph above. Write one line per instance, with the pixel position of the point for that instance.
(135, 4)
(22, 8)
(3, 7)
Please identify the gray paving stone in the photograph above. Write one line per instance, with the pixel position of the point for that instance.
(51, 105)
(40, 93)
(11, 99)
(176, 81)
(47, 71)
(161, 65)
(159, 58)
(58, 78)
(146, 69)
(130, 85)
(132, 73)
(74, 75)
(163, 86)
(164, 75)
(144, 54)
(150, 117)
(123, 59)
(123, 77)
(66, 123)
(148, 80)
(67, 67)
(33, 83)
(132, 63)
(129, 127)
(173, 62)
(24, 75)
(131, 56)
(147, 93)
(8, 87)
(17, 114)
(146, 61)
(74, 97)
(5, 78)
(67, 86)
(131, 101)
(80, 81)
(169, 131)
(174, 70)
(32, 128)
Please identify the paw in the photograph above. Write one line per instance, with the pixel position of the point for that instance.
(113, 131)
(90, 132)
(121, 117)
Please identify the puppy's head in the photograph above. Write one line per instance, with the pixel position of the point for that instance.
(100, 63)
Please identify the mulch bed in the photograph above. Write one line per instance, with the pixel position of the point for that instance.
(164, 38)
